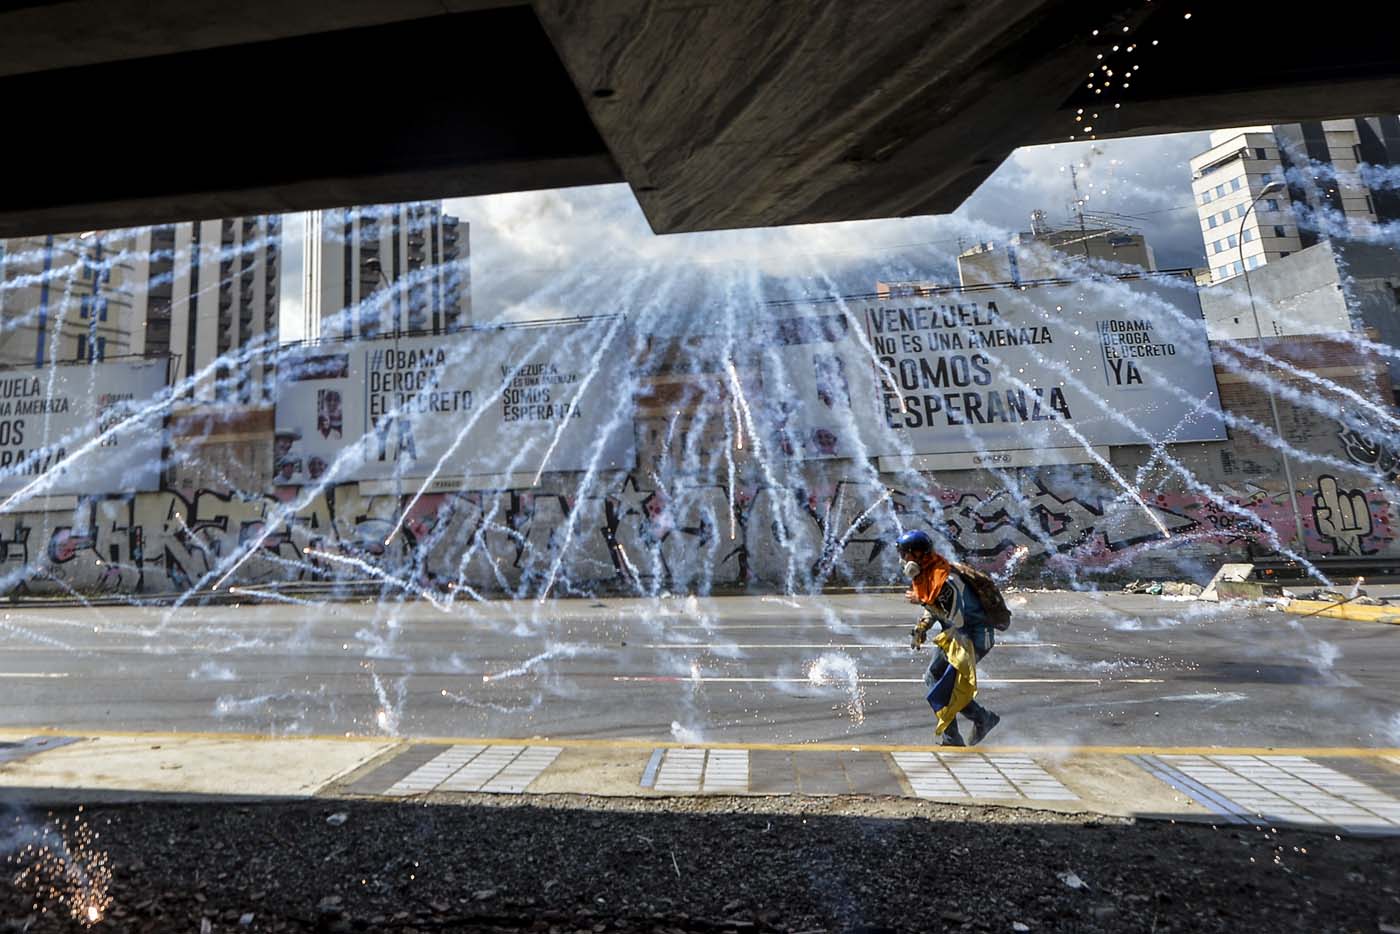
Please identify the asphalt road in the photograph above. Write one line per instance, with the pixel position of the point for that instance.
(1102, 669)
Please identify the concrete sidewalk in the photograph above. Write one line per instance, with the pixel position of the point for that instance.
(1353, 790)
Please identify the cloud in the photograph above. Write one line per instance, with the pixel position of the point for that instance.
(563, 251)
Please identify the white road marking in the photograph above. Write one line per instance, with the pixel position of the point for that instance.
(817, 645)
(707, 679)
(791, 627)
(33, 674)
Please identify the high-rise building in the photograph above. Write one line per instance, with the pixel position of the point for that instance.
(210, 294)
(69, 298)
(384, 269)
(1321, 191)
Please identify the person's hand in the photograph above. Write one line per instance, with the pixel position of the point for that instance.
(918, 635)
(909, 595)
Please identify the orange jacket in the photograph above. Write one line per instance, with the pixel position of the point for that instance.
(928, 583)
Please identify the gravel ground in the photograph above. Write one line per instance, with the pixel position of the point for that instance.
(565, 863)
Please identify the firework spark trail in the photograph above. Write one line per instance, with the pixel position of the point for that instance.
(1267, 437)
(1018, 555)
(274, 596)
(732, 480)
(535, 702)
(381, 575)
(613, 424)
(1188, 478)
(736, 399)
(839, 547)
(61, 863)
(594, 366)
(551, 652)
(836, 668)
(465, 430)
(1117, 477)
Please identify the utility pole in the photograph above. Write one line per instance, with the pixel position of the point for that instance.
(1079, 209)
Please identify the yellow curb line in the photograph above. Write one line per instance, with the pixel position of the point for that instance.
(1350, 752)
(1351, 611)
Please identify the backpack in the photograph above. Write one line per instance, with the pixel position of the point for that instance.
(988, 594)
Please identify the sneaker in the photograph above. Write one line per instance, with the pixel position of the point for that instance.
(952, 739)
(984, 726)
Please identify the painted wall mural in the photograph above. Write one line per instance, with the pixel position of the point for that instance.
(634, 532)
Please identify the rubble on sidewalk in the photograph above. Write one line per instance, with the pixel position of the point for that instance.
(1164, 588)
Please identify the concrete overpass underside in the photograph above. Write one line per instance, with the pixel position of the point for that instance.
(722, 114)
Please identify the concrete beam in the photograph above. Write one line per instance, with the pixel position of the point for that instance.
(46, 36)
(719, 113)
(736, 114)
(461, 104)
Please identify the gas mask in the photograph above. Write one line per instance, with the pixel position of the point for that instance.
(910, 569)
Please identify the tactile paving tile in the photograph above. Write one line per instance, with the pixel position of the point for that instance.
(492, 769)
(681, 770)
(696, 770)
(727, 770)
(1280, 789)
(388, 774)
(973, 775)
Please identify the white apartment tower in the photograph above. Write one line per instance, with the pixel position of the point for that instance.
(1321, 192)
(204, 293)
(211, 303)
(70, 298)
(378, 270)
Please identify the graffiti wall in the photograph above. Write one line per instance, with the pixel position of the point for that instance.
(741, 521)
(634, 533)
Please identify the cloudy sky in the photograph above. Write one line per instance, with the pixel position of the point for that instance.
(522, 241)
(530, 250)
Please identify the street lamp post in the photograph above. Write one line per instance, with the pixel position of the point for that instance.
(1270, 188)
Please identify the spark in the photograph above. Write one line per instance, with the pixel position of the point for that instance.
(741, 402)
(381, 575)
(62, 863)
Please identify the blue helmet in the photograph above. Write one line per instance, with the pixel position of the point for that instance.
(913, 543)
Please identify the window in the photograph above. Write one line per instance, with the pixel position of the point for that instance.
(1279, 231)
(1261, 153)
(102, 348)
(1251, 262)
(1205, 197)
(82, 346)
(1220, 246)
(1241, 210)
(93, 306)
(1248, 236)
(1271, 204)
(1211, 220)
(1233, 240)
(1220, 190)
(1238, 267)
(1266, 177)
(1222, 271)
(1234, 184)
